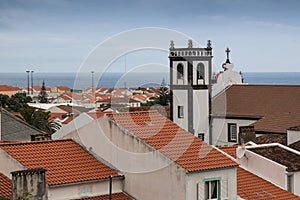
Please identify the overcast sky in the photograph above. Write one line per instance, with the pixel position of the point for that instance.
(58, 35)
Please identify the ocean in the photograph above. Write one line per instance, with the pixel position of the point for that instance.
(133, 80)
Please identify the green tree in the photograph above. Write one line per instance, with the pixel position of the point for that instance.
(3, 100)
(163, 96)
(39, 119)
(43, 95)
(17, 101)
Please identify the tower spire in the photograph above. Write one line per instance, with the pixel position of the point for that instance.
(227, 52)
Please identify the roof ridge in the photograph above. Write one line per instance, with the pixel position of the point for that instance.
(99, 158)
(35, 142)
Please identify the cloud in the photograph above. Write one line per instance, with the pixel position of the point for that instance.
(269, 24)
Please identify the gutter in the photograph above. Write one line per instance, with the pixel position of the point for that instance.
(121, 177)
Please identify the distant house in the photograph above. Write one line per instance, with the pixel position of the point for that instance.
(270, 109)
(69, 98)
(60, 89)
(158, 158)
(9, 90)
(71, 171)
(14, 129)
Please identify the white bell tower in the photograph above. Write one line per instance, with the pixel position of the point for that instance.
(190, 83)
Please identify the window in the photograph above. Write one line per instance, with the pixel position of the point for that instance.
(201, 136)
(85, 190)
(200, 71)
(180, 111)
(232, 132)
(290, 182)
(179, 71)
(212, 190)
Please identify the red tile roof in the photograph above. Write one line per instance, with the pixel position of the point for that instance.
(63, 88)
(230, 150)
(252, 187)
(277, 105)
(5, 186)
(117, 196)
(65, 161)
(167, 137)
(9, 88)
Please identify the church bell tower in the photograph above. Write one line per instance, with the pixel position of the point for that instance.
(190, 83)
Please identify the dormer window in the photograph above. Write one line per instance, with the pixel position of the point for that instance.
(179, 71)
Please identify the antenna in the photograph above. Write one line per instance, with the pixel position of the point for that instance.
(125, 72)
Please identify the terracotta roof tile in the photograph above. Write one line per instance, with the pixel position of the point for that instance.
(230, 150)
(5, 186)
(277, 105)
(64, 160)
(9, 88)
(117, 196)
(167, 137)
(252, 187)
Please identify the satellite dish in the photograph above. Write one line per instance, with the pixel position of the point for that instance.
(240, 152)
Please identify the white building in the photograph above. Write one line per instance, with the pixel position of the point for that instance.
(159, 159)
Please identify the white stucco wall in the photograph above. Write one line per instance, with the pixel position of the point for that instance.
(75, 191)
(228, 181)
(225, 79)
(297, 183)
(265, 168)
(292, 136)
(75, 124)
(180, 98)
(201, 113)
(220, 129)
(9, 164)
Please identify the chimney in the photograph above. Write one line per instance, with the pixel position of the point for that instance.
(29, 184)
(246, 134)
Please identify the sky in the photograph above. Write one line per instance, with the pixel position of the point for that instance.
(60, 35)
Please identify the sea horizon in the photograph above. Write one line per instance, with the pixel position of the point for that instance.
(76, 80)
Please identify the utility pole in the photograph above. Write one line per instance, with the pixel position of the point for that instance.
(32, 82)
(28, 81)
(92, 81)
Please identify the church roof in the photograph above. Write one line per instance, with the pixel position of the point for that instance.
(172, 141)
(276, 106)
